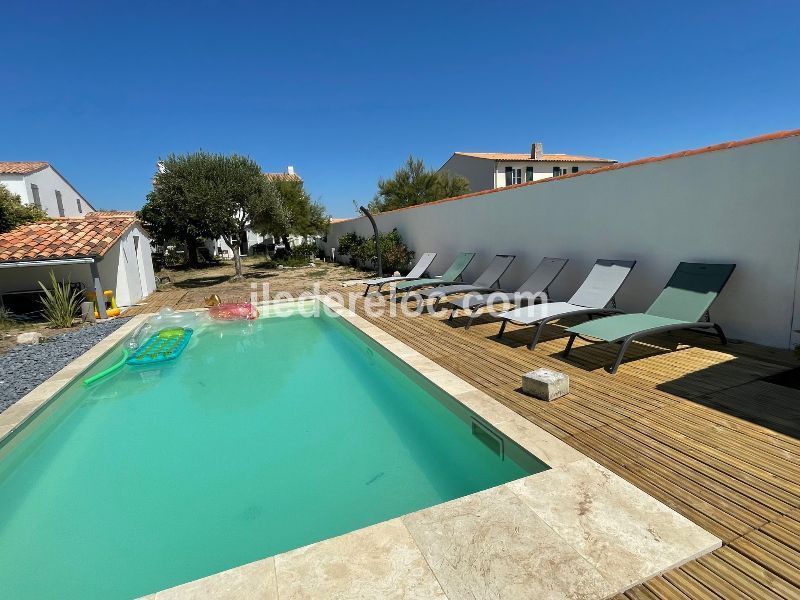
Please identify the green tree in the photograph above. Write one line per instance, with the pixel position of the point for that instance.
(413, 183)
(301, 214)
(14, 213)
(203, 195)
(251, 198)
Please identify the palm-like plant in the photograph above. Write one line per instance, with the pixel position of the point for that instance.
(60, 302)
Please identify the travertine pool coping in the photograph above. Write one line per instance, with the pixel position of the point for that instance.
(576, 530)
(24, 409)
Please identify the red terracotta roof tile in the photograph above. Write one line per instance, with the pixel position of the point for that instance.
(110, 214)
(21, 168)
(522, 157)
(63, 238)
(283, 177)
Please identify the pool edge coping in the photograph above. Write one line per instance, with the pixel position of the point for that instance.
(562, 459)
(264, 574)
(26, 408)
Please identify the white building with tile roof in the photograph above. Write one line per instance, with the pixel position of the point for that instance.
(40, 184)
(491, 170)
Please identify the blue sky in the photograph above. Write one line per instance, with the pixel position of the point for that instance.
(346, 91)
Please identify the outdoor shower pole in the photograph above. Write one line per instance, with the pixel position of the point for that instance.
(377, 240)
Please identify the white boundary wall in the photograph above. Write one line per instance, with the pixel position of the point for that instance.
(739, 205)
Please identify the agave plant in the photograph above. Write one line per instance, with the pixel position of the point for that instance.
(60, 303)
(6, 318)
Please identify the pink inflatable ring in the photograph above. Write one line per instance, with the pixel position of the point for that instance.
(233, 311)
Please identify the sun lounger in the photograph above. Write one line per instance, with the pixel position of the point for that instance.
(451, 275)
(683, 304)
(416, 272)
(595, 296)
(533, 288)
(486, 281)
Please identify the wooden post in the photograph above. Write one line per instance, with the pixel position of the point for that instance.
(98, 290)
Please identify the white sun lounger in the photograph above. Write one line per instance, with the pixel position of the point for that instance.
(595, 296)
(416, 272)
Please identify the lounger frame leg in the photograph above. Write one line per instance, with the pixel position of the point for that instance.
(623, 348)
(452, 314)
(537, 333)
(721, 334)
(502, 328)
(568, 347)
(471, 318)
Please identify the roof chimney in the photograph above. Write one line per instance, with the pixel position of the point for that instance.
(536, 151)
(290, 170)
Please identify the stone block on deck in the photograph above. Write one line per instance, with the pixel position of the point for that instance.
(545, 384)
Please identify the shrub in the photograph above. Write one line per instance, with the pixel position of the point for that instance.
(13, 213)
(395, 255)
(60, 304)
(348, 242)
(364, 252)
(304, 251)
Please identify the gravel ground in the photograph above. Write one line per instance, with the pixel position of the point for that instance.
(24, 367)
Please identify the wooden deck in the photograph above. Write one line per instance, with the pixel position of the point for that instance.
(685, 419)
(156, 301)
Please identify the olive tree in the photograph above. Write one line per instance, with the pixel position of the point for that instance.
(204, 195)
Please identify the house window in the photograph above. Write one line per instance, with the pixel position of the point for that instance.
(574, 169)
(37, 202)
(556, 171)
(60, 204)
(528, 173)
(513, 176)
(78, 202)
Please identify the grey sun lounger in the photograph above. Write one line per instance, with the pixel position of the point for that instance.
(486, 281)
(683, 304)
(595, 296)
(535, 287)
(416, 272)
(451, 275)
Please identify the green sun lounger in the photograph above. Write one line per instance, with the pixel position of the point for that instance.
(683, 304)
(485, 282)
(451, 275)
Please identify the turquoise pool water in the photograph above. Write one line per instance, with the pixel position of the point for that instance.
(261, 437)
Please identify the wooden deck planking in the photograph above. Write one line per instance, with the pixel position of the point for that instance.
(652, 424)
(155, 302)
(687, 420)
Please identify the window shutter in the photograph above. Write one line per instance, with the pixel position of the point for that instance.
(509, 175)
(60, 203)
(37, 202)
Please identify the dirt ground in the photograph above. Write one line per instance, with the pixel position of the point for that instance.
(265, 277)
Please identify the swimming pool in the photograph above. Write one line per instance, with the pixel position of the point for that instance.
(261, 437)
